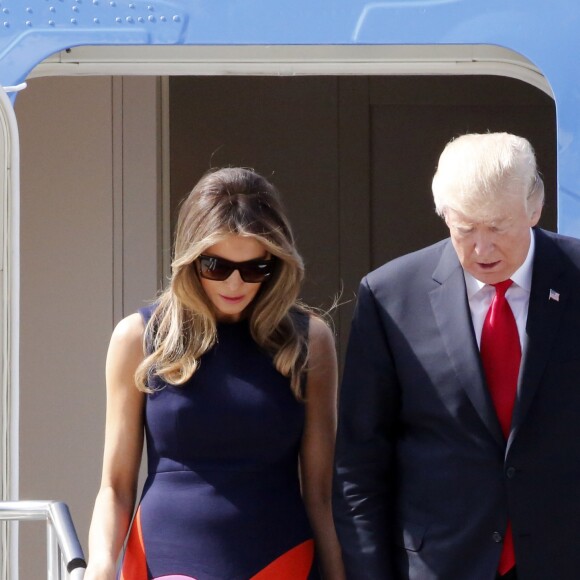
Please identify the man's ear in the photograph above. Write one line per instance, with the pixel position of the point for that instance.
(535, 217)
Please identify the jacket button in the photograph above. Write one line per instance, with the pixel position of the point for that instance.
(497, 537)
(510, 472)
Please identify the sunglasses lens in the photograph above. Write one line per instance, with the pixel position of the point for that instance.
(256, 272)
(214, 268)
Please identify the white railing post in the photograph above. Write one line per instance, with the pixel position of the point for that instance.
(51, 553)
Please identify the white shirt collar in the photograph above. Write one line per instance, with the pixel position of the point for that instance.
(521, 277)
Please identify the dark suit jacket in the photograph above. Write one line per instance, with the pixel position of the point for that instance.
(424, 478)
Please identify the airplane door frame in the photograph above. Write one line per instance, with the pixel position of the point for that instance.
(9, 318)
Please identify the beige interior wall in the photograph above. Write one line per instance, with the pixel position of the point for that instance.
(90, 174)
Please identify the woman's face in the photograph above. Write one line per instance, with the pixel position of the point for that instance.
(232, 296)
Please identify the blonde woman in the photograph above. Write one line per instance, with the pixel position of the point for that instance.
(232, 382)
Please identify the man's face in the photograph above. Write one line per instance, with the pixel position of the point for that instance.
(493, 249)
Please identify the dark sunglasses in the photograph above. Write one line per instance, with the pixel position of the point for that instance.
(218, 269)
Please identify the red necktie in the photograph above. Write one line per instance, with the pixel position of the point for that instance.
(501, 355)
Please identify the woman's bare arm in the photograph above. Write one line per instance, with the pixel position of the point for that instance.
(317, 451)
(123, 447)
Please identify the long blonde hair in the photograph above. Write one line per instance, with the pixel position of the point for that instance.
(183, 326)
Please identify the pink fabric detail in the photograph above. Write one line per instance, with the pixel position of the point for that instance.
(174, 577)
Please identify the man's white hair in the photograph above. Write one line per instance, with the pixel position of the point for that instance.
(476, 172)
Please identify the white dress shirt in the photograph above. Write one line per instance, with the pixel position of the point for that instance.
(480, 296)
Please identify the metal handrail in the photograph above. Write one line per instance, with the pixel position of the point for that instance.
(64, 552)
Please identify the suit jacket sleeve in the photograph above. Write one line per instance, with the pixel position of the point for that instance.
(364, 485)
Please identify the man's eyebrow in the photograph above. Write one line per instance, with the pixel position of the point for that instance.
(500, 221)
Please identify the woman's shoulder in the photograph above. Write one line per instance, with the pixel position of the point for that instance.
(125, 353)
(320, 335)
(128, 333)
(322, 364)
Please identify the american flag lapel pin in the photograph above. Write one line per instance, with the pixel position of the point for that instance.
(555, 296)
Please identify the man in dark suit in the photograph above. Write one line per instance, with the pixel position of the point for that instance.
(458, 451)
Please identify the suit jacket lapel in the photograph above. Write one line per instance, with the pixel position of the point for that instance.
(544, 320)
(451, 310)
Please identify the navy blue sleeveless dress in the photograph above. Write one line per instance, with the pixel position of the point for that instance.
(222, 498)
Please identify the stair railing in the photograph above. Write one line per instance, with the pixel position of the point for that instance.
(64, 554)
